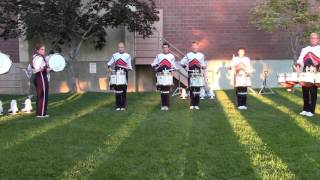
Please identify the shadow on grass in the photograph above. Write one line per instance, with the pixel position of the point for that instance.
(295, 103)
(285, 138)
(150, 151)
(213, 150)
(24, 128)
(55, 101)
(112, 146)
(265, 162)
(51, 153)
(166, 145)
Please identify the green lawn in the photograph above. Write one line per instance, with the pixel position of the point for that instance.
(84, 138)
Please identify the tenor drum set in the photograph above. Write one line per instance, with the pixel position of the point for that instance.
(305, 79)
(118, 78)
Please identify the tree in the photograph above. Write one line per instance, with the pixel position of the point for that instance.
(297, 17)
(73, 22)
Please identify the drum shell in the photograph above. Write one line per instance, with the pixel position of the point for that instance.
(242, 80)
(118, 78)
(306, 79)
(291, 78)
(197, 80)
(164, 79)
(112, 80)
(281, 78)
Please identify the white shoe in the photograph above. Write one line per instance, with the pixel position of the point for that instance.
(303, 113)
(166, 108)
(123, 109)
(118, 109)
(45, 116)
(197, 107)
(244, 107)
(309, 114)
(162, 108)
(191, 107)
(240, 107)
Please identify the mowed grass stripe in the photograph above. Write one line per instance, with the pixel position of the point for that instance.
(55, 101)
(289, 141)
(83, 168)
(155, 150)
(55, 123)
(301, 121)
(266, 163)
(214, 151)
(295, 99)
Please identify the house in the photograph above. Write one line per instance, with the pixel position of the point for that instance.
(220, 26)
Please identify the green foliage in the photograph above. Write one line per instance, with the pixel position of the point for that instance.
(297, 17)
(72, 21)
(271, 15)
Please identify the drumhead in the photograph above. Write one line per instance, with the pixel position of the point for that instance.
(57, 62)
(5, 63)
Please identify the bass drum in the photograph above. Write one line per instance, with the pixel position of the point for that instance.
(57, 62)
(5, 63)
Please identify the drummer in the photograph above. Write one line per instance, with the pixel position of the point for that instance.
(122, 61)
(164, 61)
(195, 62)
(309, 57)
(241, 63)
(40, 69)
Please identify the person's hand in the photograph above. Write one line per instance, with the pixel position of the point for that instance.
(296, 67)
(154, 67)
(110, 69)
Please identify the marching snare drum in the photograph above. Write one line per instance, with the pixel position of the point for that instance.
(164, 78)
(57, 62)
(242, 79)
(197, 80)
(5, 63)
(118, 78)
(307, 79)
